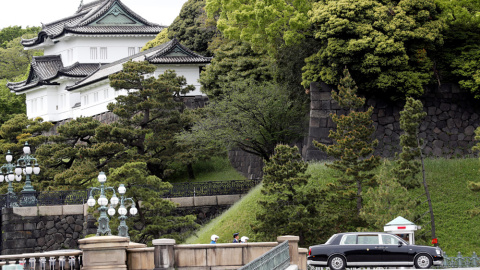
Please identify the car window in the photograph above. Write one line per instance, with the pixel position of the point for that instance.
(349, 239)
(330, 239)
(368, 239)
(389, 239)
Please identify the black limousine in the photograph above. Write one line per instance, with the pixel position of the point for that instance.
(372, 249)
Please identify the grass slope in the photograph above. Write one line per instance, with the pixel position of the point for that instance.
(456, 230)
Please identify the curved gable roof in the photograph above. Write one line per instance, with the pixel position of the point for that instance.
(98, 17)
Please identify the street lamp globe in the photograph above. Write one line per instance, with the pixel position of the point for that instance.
(133, 210)
(11, 176)
(122, 210)
(18, 170)
(111, 211)
(26, 149)
(36, 169)
(122, 189)
(102, 177)
(18, 178)
(28, 170)
(114, 200)
(9, 156)
(91, 201)
(103, 201)
(2, 177)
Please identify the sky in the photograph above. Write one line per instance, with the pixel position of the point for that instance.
(34, 12)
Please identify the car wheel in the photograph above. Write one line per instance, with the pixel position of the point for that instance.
(336, 263)
(423, 261)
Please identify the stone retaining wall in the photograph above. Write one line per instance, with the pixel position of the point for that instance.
(43, 228)
(447, 130)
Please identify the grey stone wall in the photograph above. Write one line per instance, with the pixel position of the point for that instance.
(38, 233)
(247, 164)
(447, 130)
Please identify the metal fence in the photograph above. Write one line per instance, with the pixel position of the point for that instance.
(277, 258)
(187, 189)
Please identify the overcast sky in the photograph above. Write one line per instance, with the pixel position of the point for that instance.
(34, 12)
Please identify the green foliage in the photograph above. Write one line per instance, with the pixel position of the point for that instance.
(408, 165)
(459, 58)
(154, 219)
(256, 125)
(385, 45)
(14, 60)
(234, 62)
(12, 104)
(352, 144)
(192, 27)
(386, 202)
(265, 24)
(10, 33)
(286, 207)
(161, 38)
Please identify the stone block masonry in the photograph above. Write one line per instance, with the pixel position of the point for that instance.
(42, 228)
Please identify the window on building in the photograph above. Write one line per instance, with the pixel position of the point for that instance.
(131, 51)
(95, 97)
(41, 104)
(105, 94)
(103, 53)
(85, 100)
(139, 49)
(93, 53)
(70, 55)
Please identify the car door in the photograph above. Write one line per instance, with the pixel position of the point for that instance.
(366, 252)
(395, 253)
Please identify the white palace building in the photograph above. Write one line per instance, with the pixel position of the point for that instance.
(82, 50)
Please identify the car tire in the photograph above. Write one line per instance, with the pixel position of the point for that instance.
(423, 261)
(336, 262)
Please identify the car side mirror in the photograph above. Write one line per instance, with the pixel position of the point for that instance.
(400, 243)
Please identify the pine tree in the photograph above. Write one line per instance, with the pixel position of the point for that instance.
(353, 145)
(408, 164)
(287, 207)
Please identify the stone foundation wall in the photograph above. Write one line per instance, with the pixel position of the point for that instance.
(447, 130)
(247, 164)
(24, 232)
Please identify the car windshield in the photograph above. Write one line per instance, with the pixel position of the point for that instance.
(389, 239)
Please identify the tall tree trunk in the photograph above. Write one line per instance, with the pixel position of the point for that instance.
(427, 193)
(191, 173)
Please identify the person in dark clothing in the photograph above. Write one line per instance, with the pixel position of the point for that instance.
(235, 238)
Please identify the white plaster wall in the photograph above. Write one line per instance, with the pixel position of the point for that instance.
(81, 48)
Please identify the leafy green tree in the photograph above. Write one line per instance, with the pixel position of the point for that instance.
(14, 60)
(12, 104)
(352, 144)
(287, 207)
(385, 45)
(252, 117)
(459, 60)
(161, 38)
(265, 24)
(233, 63)
(10, 33)
(408, 164)
(154, 219)
(386, 202)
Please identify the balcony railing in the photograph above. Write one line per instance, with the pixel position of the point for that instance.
(52, 260)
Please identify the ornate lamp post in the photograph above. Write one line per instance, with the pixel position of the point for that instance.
(9, 177)
(122, 210)
(103, 220)
(26, 166)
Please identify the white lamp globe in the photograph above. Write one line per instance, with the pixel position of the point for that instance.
(122, 189)
(122, 210)
(133, 211)
(9, 156)
(102, 177)
(91, 201)
(28, 170)
(114, 200)
(111, 211)
(18, 170)
(18, 178)
(36, 169)
(103, 201)
(11, 176)
(2, 177)
(26, 149)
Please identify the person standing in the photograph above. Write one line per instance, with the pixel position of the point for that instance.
(243, 239)
(235, 238)
(214, 239)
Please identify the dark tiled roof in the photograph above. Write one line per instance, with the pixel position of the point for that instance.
(81, 23)
(46, 68)
(161, 54)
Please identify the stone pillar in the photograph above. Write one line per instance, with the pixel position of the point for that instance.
(104, 252)
(164, 254)
(292, 247)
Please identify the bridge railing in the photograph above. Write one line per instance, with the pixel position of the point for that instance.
(52, 260)
(186, 189)
(276, 259)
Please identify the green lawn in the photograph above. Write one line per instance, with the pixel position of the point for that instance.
(456, 230)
